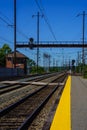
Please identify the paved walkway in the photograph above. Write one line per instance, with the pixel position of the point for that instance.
(79, 103)
(71, 113)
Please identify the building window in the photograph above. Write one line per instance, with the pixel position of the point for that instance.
(9, 58)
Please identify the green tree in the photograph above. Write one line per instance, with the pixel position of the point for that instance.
(3, 52)
(31, 62)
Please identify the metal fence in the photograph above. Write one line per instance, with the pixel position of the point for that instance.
(11, 72)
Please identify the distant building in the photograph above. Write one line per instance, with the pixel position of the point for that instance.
(21, 61)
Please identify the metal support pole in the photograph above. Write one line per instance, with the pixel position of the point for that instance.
(14, 33)
(37, 39)
(83, 34)
(83, 60)
(49, 62)
(38, 33)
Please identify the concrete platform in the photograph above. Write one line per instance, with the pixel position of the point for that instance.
(62, 118)
(79, 103)
(71, 113)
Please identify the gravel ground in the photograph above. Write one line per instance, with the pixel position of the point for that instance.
(11, 97)
(43, 116)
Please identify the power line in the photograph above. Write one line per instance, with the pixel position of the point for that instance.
(2, 38)
(19, 31)
(5, 16)
(41, 4)
(22, 34)
(4, 21)
(46, 20)
(11, 25)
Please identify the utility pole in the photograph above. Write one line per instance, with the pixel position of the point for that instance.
(78, 59)
(38, 34)
(49, 61)
(14, 33)
(83, 37)
(78, 62)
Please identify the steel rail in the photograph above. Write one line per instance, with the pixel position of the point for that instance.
(9, 108)
(5, 111)
(12, 87)
(31, 117)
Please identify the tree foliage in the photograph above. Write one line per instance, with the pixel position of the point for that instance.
(40, 70)
(3, 52)
(31, 62)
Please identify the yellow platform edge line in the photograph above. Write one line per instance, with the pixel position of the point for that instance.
(62, 117)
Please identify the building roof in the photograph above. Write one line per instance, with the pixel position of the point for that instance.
(18, 54)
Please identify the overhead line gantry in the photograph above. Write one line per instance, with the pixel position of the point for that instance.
(52, 44)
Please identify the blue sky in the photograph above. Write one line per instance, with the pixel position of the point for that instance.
(62, 18)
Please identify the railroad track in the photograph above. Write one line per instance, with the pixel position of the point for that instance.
(19, 84)
(13, 96)
(20, 115)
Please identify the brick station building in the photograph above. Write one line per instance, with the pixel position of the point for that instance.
(21, 61)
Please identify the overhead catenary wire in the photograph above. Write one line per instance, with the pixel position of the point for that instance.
(11, 25)
(46, 19)
(18, 30)
(5, 17)
(41, 4)
(4, 20)
(22, 34)
(6, 40)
